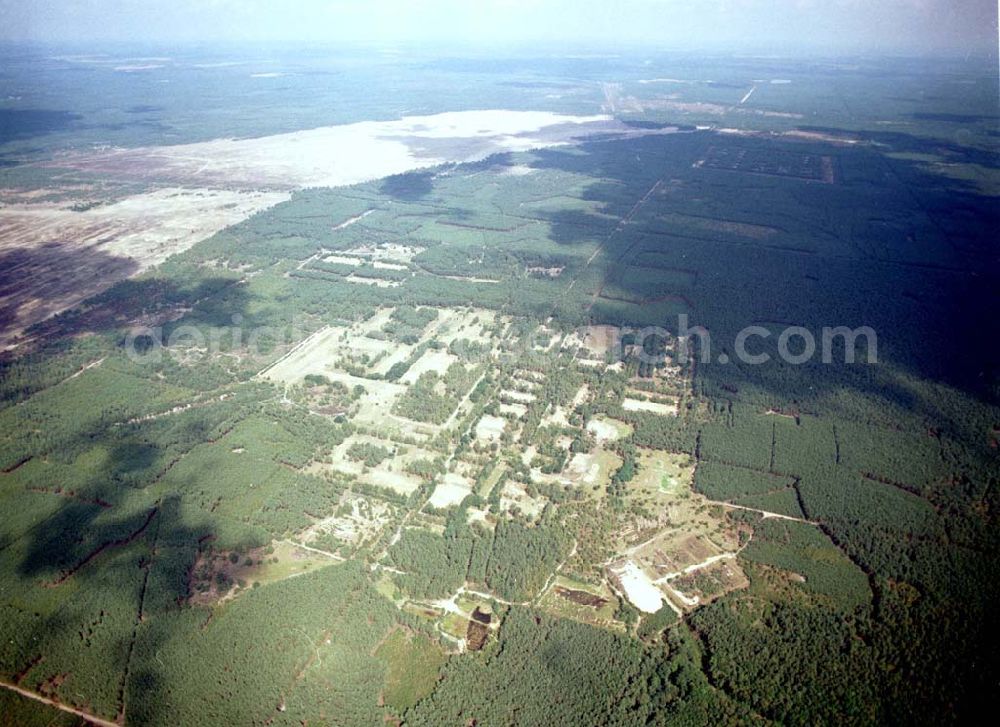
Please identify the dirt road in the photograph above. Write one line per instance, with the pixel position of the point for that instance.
(91, 718)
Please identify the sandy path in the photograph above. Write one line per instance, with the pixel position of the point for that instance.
(301, 344)
(697, 566)
(618, 228)
(765, 513)
(454, 414)
(555, 573)
(481, 594)
(91, 718)
(327, 553)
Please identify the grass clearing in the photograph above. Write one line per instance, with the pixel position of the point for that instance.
(515, 410)
(413, 663)
(376, 282)
(584, 602)
(343, 260)
(376, 401)
(599, 340)
(519, 397)
(711, 582)
(455, 625)
(490, 482)
(515, 499)
(664, 472)
(401, 482)
(677, 531)
(593, 470)
(358, 520)
(221, 576)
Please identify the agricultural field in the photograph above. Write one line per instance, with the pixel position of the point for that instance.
(405, 455)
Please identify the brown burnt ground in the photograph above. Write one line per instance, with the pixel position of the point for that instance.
(475, 635)
(583, 598)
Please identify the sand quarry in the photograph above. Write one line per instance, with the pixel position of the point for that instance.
(190, 191)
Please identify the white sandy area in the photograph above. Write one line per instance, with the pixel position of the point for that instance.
(377, 282)
(437, 361)
(340, 259)
(451, 491)
(194, 186)
(650, 406)
(346, 154)
(490, 428)
(518, 170)
(639, 588)
(138, 67)
(584, 468)
(522, 397)
(517, 410)
(669, 80)
(603, 431)
(147, 227)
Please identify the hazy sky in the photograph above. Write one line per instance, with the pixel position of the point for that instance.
(953, 26)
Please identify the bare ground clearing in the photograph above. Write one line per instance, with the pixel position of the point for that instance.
(54, 256)
(333, 156)
(199, 192)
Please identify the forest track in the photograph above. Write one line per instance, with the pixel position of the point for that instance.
(291, 351)
(104, 547)
(483, 594)
(624, 222)
(555, 574)
(767, 514)
(597, 251)
(696, 567)
(84, 715)
(146, 568)
(91, 365)
(327, 553)
(458, 408)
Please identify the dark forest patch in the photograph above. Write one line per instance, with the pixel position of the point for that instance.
(25, 123)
